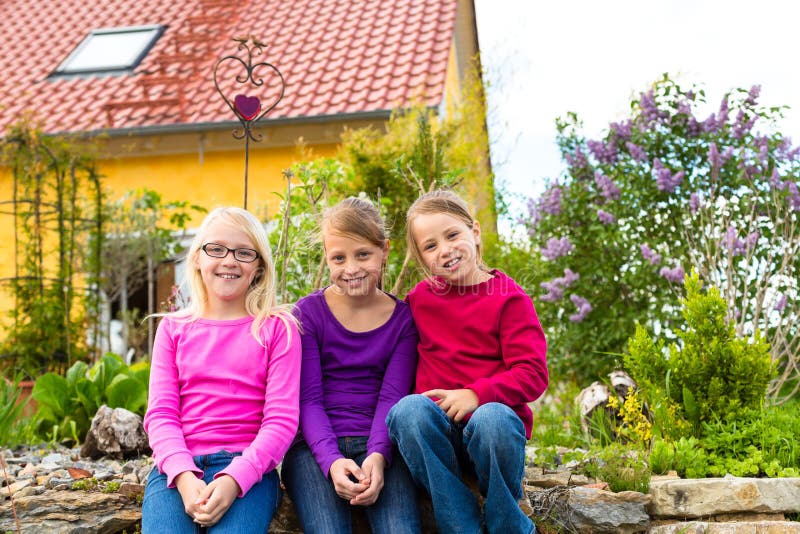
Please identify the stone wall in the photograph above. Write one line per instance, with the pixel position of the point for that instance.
(60, 492)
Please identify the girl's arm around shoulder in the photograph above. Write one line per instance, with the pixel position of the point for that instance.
(163, 418)
(281, 405)
(523, 349)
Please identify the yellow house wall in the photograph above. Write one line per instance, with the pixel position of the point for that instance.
(208, 178)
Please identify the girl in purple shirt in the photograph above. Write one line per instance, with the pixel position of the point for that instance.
(359, 357)
(223, 405)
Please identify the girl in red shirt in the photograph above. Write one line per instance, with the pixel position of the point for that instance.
(481, 361)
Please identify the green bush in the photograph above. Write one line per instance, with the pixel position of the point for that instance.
(710, 372)
(66, 405)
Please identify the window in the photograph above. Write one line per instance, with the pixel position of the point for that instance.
(109, 51)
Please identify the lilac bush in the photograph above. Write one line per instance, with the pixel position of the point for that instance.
(665, 191)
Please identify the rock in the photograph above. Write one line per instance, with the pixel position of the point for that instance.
(747, 527)
(590, 399)
(117, 433)
(134, 492)
(622, 383)
(585, 510)
(13, 489)
(713, 496)
(545, 479)
(71, 512)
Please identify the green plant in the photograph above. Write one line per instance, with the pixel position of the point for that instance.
(111, 486)
(690, 458)
(623, 468)
(85, 484)
(711, 371)
(662, 456)
(57, 218)
(66, 405)
(10, 411)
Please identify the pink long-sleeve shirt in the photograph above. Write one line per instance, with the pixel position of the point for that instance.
(213, 387)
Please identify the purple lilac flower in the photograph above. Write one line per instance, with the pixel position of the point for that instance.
(742, 126)
(732, 242)
(775, 179)
(555, 248)
(583, 308)
(710, 124)
(650, 255)
(555, 288)
(665, 180)
(675, 274)
(694, 203)
(605, 217)
(637, 152)
(794, 195)
(603, 152)
(713, 156)
(752, 95)
(693, 127)
(607, 187)
(722, 115)
(780, 305)
(578, 160)
(684, 108)
(554, 291)
(649, 109)
(622, 129)
(551, 201)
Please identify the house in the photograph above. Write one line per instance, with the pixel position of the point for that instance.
(138, 77)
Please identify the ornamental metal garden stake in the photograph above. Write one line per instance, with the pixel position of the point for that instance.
(248, 107)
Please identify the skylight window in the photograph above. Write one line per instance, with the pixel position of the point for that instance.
(113, 50)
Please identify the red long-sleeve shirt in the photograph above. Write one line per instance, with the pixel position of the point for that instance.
(485, 337)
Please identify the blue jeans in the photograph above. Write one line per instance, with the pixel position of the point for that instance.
(437, 450)
(163, 511)
(321, 510)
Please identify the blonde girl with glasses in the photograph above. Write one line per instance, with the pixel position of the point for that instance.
(224, 388)
(481, 361)
(359, 355)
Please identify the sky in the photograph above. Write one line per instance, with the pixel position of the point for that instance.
(543, 59)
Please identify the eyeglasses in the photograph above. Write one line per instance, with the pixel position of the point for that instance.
(244, 255)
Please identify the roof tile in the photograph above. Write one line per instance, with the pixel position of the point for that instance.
(336, 55)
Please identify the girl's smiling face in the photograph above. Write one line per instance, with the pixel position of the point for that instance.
(448, 247)
(226, 280)
(356, 265)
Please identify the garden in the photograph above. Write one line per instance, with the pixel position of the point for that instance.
(668, 249)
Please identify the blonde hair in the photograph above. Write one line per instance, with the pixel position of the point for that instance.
(439, 201)
(261, 296)
(359, 219)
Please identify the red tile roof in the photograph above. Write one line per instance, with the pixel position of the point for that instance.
(337, 57)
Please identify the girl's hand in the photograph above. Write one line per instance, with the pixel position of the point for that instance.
(373, 466)
(215, 500)
(190, 488)
(456, 403)
(340, 473)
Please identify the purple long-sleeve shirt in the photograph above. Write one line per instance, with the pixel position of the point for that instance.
(350, 380)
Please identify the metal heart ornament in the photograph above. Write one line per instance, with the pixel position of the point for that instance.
(247, 107)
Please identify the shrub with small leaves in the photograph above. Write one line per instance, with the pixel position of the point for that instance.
(710, 371)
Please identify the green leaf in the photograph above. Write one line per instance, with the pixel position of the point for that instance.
(126, 392)
(88, 396)
(690, 406)
(52, 394)
(75, 373)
